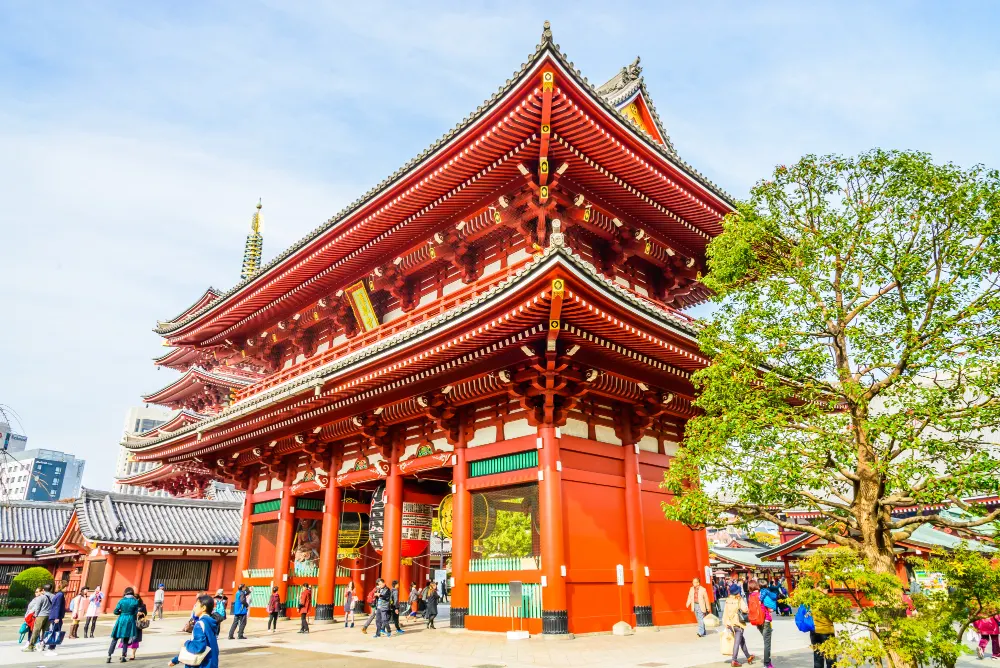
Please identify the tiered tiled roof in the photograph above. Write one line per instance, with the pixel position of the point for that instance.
(108, 518)
(32, 523)
(546, 48)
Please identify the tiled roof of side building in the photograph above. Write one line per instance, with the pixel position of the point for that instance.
(546, 45)
(32, 522)
(106, 517)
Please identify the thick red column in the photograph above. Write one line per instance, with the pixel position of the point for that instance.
(286, 532)
(461, 534)
(108, 580)
(328, 547)
(636, 538)
(405, 573)
(392, 539)
(243, 552)
(555, 617)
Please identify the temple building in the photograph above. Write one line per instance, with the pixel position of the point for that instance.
(494, 336)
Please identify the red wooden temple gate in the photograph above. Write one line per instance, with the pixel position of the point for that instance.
(495, 331)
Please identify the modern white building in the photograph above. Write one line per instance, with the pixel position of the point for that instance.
(11, 441)
(139, 419)
(39, 475)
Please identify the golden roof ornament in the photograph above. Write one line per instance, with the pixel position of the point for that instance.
(254, 245)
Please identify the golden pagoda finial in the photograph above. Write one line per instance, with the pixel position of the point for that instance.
(254, 245)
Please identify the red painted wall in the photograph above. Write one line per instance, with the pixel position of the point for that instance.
(132, 570)
(670, 551)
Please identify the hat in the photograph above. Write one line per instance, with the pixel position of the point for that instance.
(221, 592)
(735, 590)
(159, 585)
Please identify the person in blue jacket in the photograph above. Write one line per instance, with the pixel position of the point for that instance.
(204, 635)
(241, 606)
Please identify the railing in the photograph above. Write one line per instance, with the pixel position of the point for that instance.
(493, 600)
(305, 569)
(505, 564)
(383, 331)
(259, 573)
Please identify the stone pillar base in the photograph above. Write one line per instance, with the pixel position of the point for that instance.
(643, 615)
(555, 622)
(324, 614)
(458, 617)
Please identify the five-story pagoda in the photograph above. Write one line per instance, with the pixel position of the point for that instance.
(495, 330)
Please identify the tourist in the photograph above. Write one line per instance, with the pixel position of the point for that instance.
(158, 598)
(444, 590)
(349, 599)
(697, 602)
(733, 620)
(431, 611)
(77, 608)
(383, 601)
(721, 591)
(241, 606)
(414, 600)
(140, 624)
(125, 628)
(202, 650)
(56, 615)
(305, 606)
(273, 608)
(371, 603)
(93, 610)
(762, 604)
(41, 607)
(394, 610)
(822, 631)
(989, 633)
(219, 613)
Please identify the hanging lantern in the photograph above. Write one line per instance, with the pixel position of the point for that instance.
(416, 529)
(484, 516)
(352, 535)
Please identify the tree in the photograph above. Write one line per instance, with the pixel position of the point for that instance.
(511, 536)
(23, 586)
(853, 355)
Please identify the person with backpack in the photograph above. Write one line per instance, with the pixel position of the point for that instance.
(820, 629)
(735, 619)
(219, 612)
(697, 602)
(760, 605)
(241, 606)
(370, 599)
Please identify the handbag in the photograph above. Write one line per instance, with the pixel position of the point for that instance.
(742, 616)
(190, 658)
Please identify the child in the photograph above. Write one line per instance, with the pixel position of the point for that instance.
(989, 630)
(25, 631)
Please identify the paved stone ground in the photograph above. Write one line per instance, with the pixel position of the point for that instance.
(333, 645)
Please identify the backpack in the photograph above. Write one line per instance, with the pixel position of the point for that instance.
(804, 620)
(371, 597)
(756, 612)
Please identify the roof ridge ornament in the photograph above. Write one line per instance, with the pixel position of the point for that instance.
(546, 33)
(254, 245)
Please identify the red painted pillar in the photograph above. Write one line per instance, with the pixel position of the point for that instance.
(461, 534)
(328, 548)
(286, 532)
(641, 606)
(392, 540)
(243, 552)
(788, 575)
(107, 580)
(555, 614)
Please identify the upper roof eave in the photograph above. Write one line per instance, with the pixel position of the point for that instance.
(680, 325)
(206, 298)
(197, 373)
(545, 48)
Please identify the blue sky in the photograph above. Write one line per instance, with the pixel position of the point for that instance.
(135, 139)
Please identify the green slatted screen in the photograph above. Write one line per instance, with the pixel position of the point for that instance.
(309, 504)
(259, 597)
(513, 462)
(266, 506)
(492, 600)
(292, 599)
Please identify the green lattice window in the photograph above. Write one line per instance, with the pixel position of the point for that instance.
(309, 504)
(504, 463)
(493, 600)
(266, 506)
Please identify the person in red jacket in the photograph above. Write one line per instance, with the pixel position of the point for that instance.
(273, 608)
(305, 606)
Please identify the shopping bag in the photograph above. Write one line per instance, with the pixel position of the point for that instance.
(711, 621)
(726, 640)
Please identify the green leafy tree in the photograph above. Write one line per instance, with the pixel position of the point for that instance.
(23, 586)
(511, 536)
(855, 354)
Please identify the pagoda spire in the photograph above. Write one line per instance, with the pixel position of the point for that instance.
(254, 245)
